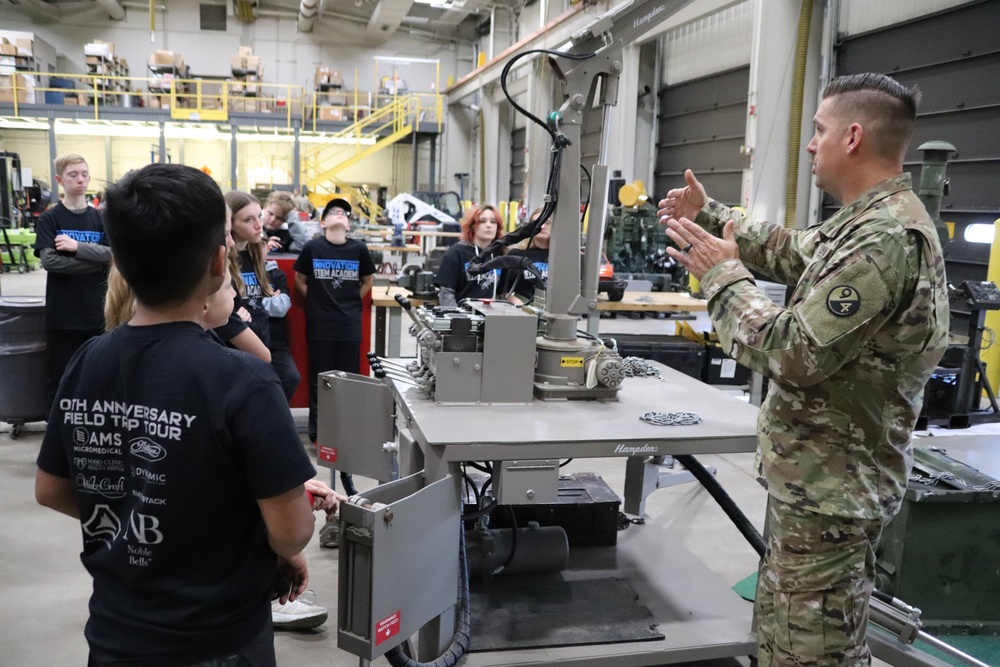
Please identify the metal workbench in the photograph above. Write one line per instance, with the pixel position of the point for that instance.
(699, 616)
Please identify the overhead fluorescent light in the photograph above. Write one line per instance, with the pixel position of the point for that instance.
(86, 129)
(342, 141)
(22, 124)
(204, 132)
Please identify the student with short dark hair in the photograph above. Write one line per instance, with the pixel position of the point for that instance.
(332, 275)
(190, 505)
(75, 255)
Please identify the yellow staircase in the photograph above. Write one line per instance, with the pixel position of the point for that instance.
(354, 143)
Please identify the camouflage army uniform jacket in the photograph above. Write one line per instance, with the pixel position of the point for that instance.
(850, 355)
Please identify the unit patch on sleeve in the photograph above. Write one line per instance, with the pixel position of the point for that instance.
(843, 301)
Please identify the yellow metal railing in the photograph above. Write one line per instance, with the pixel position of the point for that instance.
(384, 127)
(376, 120)
(210, 100)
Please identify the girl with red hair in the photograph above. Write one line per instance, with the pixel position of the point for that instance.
(480, 227)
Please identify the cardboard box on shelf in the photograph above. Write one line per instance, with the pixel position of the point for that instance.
(25, 47)
(331, 113)
(7, 95)
(245, 51)
(163, 58)
(71, 100)
(99, 48)
(7, 49)
(327, 77)
(336, 99)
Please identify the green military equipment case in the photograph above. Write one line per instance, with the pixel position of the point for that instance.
(941, 553)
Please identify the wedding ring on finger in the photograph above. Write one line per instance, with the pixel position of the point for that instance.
(687, 248)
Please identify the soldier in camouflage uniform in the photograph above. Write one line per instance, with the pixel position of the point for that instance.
(847, 358)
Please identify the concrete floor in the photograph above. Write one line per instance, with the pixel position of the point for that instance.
(44, 588)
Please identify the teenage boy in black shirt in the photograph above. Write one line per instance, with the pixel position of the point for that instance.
(189, 503)
(75, 255)
(332, 275)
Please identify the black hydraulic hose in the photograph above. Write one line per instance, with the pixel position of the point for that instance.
(743, 524)
(463, 622)
(715, 490)
(348, 481)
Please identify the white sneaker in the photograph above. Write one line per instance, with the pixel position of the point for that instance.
(297, 615)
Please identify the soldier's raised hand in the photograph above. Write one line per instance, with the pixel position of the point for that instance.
(683, 202)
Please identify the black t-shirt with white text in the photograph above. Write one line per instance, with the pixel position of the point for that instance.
(73, 300)
(169, 440)
(453, 274)
(526, 281)
(333, 298)
(253, 299)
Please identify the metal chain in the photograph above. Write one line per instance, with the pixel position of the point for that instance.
(671, 418)
(625, 521)
(935, 478)
(640, 368)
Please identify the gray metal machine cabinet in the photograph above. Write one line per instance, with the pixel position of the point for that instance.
(698, 616)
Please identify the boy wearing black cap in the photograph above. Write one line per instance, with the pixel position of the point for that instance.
(332, 275)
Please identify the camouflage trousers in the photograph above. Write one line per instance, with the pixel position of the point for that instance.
(812, 592)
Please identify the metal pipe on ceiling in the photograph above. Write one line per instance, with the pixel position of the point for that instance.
(308, 9)
(113, 8)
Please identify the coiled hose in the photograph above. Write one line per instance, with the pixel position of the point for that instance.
(463, 621)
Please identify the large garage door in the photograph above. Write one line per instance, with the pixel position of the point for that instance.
(702, 124)
(954, 58)
(515, 191)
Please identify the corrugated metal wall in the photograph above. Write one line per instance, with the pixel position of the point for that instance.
(716, 43)
(858, 16)
(953, 56)
(702, 126)
(703, 103)
(518, 141)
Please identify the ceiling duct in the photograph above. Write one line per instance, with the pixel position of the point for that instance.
(308, 9)
(386, 18)
(38, 11)
(114, 10)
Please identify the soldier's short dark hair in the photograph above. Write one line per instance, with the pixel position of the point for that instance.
(886, 109)
(164, 223)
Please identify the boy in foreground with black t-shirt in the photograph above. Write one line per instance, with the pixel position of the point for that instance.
(69, 239)
(332, 275)
(190, 505)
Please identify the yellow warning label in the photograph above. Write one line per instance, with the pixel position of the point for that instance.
(571, 362)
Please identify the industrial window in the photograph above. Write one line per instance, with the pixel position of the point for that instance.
(213, 17)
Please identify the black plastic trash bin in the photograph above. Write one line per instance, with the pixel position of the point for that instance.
(23, 384)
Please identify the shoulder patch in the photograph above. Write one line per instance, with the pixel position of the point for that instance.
(843, 300)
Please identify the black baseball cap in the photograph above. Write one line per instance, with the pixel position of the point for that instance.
(336, 202)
